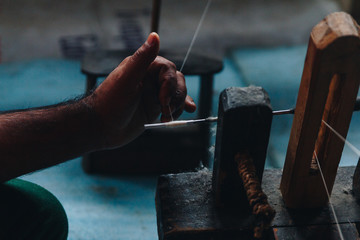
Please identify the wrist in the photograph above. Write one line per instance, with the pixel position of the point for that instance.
(95, 122)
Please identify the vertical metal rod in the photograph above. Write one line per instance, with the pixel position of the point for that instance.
(155, 16)
(90, 83)
(205, 99)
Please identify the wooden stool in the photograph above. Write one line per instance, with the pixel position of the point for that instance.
(162, 149)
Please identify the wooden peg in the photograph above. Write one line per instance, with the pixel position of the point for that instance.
(328, 90)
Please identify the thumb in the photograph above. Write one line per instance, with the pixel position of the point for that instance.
(146, 54)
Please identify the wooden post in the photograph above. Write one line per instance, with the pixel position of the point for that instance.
(328, 90)
(244, 122)
(155, 15)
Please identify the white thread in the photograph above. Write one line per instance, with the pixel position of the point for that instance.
(192, 42)
(196, 33)
(328, 195)
(352, 147)
(172, 119)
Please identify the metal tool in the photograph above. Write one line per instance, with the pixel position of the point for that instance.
(182, 123)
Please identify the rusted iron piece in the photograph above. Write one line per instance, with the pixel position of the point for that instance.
(258, 202)
(186, 211)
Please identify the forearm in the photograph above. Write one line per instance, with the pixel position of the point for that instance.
(35, 139)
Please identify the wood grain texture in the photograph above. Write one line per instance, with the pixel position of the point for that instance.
(328, 90)
(186, 210)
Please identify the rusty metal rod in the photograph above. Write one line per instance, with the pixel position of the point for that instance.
(261, 209)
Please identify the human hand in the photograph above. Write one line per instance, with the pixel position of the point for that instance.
(141, 88)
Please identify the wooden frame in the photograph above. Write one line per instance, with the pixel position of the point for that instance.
(328, 90)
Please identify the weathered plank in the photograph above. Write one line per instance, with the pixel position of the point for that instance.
(186, 210)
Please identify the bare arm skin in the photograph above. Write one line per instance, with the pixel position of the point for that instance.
(143, 86)
(36, 139)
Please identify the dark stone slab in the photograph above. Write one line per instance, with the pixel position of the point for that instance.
(317, 232)
(186, 210)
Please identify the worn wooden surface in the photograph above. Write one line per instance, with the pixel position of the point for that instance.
(186, 210)
(327, 91)
(244, 122)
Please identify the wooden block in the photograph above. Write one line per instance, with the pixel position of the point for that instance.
(186, 210)
(244, 122)
(328, 90)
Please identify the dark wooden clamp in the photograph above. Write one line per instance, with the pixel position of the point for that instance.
(202, 205)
